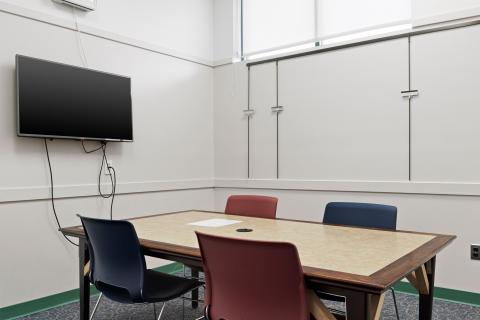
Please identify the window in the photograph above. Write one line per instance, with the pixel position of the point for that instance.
(349, 16)
(275, 24)
(273, 27)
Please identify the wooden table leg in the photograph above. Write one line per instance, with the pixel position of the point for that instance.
(195, 274)
(317, 308)
(364, 306)
(426, 299)
(357, 305)
(376, 305)
(84, 280)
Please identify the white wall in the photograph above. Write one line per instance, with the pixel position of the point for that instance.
(182, 26)
(224, 31)
(168, 167)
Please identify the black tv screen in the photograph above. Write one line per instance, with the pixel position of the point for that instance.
(56, 100)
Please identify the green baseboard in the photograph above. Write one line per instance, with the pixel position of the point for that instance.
(452, 295)
(59, 299)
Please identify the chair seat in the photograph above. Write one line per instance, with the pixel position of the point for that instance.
(161, 287)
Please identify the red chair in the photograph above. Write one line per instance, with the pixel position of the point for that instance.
(252, 206)
(252, 280)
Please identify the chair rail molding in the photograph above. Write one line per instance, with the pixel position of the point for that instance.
(405, 187)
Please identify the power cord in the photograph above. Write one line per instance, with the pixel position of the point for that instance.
(114, 190)
(113, 179)
(52, 198)
(111, 171)
(90, 151)
(104, 162)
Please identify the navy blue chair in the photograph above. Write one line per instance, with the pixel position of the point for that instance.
(118, 269)
(366, 215)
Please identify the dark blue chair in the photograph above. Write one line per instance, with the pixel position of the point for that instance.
(118, 269)
(366, 215)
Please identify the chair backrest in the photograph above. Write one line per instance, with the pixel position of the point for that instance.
(252, 280)
(366, 215)
(253, 206)
(117, 264)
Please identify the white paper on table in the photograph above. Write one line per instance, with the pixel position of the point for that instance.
(213, 223)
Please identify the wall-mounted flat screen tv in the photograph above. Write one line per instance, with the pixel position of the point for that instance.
(56, 100)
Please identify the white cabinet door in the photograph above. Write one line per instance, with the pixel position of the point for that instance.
(230, 123)
(344, 116)
(445, 68)
(263, 139)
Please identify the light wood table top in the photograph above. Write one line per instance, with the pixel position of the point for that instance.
(374, 258)
(350, 250)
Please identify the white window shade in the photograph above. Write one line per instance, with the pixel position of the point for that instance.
(273, 24)
(345, 16)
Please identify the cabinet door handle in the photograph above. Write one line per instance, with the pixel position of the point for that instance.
(409, 94)
(248, 112)
(277, 109)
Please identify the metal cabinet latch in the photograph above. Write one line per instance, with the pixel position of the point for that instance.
(277, 109)
(248, 112)
(409, 94)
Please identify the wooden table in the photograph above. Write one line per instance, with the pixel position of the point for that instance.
(357, 263)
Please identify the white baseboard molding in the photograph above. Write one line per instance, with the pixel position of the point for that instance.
(88, 190)
(405, 187)
(96, 32)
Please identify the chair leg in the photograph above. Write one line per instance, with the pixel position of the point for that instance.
(206, 312)
(395, 303)
(154, 311)
(183, 309)
(161, 311)
(96, 305)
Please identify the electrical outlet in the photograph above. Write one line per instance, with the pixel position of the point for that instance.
(475, 251)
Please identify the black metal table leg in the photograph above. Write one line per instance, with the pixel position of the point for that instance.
(426, 300)
(84, 280)
(195, 274)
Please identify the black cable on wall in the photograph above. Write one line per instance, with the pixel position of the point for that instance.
(52, 197)
(104, 163)
(111, 171)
